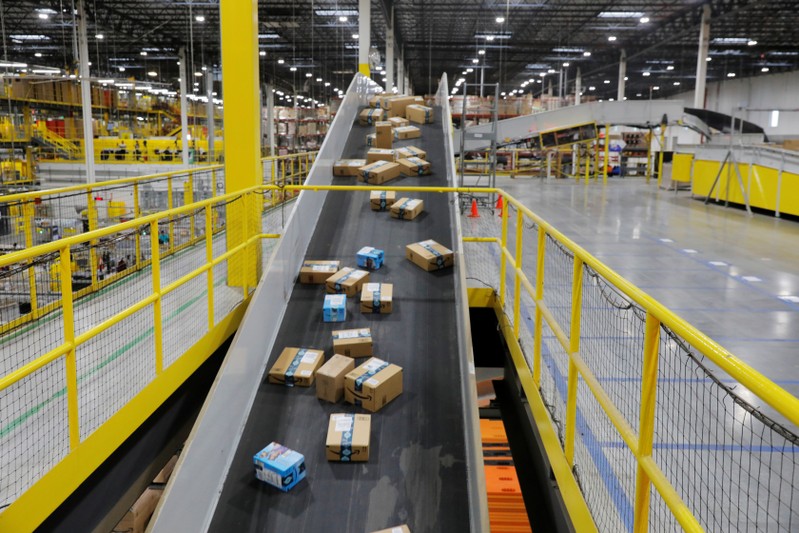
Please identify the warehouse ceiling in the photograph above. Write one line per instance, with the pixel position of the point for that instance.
(533, 41)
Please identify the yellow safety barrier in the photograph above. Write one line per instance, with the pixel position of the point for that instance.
(535, 277)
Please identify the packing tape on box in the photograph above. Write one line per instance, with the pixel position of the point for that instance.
(420, 169)
(346, 438)
(402, 208)
(383, 200)
(343, 279)
(376, 301)
(295, 363)
(360, 380)
(362, 334)
(439, 257)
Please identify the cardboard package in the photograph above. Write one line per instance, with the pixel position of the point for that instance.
(381, 200)
(411, 151)
(370, 258)
(279, 466)
(374, 102)
(330, 378)
(353, 342)
(373, 384)
(296, 366)
(384, 135)
(379, 172)
(380, 154)
(396, 529)
(407, 208)
(317, 272)
(429, 255)
(397, 105)
(369, 116)
(408, 132)
(335, 308)
(419, 114)
(413, 166)
(371, 141)
(377, 298)
(347, 281)
(348, 167)
(348, 437)
(399, 122)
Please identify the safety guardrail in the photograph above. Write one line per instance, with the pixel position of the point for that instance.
(639, 397)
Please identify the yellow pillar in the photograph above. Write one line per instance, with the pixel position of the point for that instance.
(242, 112)
(364, 35)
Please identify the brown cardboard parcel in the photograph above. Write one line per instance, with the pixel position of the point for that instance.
(353, 342)
(411, 151)
(384, 135)
(373, 384)
(408, 132)
(330, 378)
(397, 106)
(300, 363)
(379, 172)
(348, 437)
(346, 281)
(317, 272)
(407, 208)
(348, 167)
(381, 200)
(396, 529)
(399, 122)
(419, 114)
(380, 154)
(377, 298)
(369, 116)
(413, 166)
(429, 255)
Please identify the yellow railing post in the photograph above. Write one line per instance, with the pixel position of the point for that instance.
(155, 269)
(70, 361)
(28, 215)
(649, 376)
(539, 297)
(136, 214)
(596, 160)
(649, 157)
(502, 260)
(517, 278)
(170, 205)
(188, 198)
(587, 164)
(94, 217)
(607, 155)
(209, 257)
(574, 347)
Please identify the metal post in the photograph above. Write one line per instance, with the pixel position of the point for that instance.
(587, 164)
(210, 120)
(539, 297)
(517, 284)
(184, 107)
(92, 214)
(502, 259)
(86, 93)
(270, 120)
(70, 361)
(578, 87)
(155, 272)
(390, 52)
(622, 75)
(364, 35)
(574, 347)
(660, 156)
(649, 155)
(701, 60)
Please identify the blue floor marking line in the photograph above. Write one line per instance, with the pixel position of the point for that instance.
(721, 270)
(701, 447)
(617, 493)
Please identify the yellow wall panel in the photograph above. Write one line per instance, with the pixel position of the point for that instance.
(704, 174)
(763, 188)
(789, 194)
(681, 167)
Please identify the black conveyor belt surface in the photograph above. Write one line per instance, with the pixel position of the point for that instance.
(417, 472)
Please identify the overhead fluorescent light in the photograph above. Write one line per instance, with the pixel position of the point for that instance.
(268, 36)
(567, 50)
(336, 12)
(29, 37)
(46, 71)
(492, 36)
(730, 40)
(6, 64)
(620, 15)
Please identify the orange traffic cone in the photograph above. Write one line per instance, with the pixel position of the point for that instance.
(474, 213)
(499, 205)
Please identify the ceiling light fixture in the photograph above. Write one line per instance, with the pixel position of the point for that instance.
(646, 74)
(670, 67)
(731, 75)
(620, 14)
(606, 82)
(475, 61)
(586, 54)
(764, 69)
(38, 54)
(281, 61)
(262, 53)
(342, 19)
(293, 69)
(644, 20)
(356, 36)
(152, 74)
(566, 64)
(655, 88)
(612, 38)
(500, 20)
(592, 88)
(142, 53)
(481, 52)
(99, 36)
(44, 16)
(199, 18)
(751, 42)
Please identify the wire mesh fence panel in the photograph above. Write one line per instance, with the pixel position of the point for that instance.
(612, 342)
(734, 466)
(34, 429)
(113, 367)
(176, 264)
(558, 272)
(554, 372)
(184, 318)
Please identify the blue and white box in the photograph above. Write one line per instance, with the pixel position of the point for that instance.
(371, 258)
(335, 308)
(279, 466)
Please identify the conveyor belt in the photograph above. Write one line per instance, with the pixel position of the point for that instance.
(417, 472)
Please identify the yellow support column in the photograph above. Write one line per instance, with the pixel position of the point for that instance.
(242, 112)
(539, 297)
(517, 278)
(502, 259)
(70, 361)
(574, 347)
(155, 273)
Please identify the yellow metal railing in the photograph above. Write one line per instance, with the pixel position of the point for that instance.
(86, 447)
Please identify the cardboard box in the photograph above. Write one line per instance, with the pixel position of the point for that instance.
(353, 342)
(348, 437)
(384, 135)
(330, 378)
(348, 167)
(139, 514)
(419, 114)
(397, 105)
(379, 172)
(380, 154)
(335, 308)
(371, 141)
(407, 208)
(411, 151)
(317, 272)
(399, 122)
(429, 255)
(413, 166)
(279, 466)
(373, 384)
(374, 102)
(407, 132)
(396, 529)
(381, 200)
(377, 298)
(347, 281)
(296, 366)
(370, 258)
(368, 117)
(419, 100)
